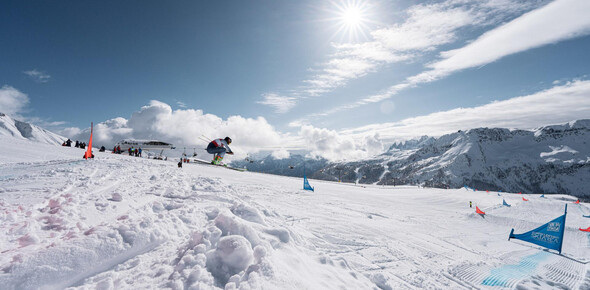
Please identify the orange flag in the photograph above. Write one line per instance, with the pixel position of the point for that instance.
(88, 153)
(477, 210)
(524, 199)
(577, 201)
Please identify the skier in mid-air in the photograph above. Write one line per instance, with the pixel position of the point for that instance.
(218, 148)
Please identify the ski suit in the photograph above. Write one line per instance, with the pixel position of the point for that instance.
(219, 147)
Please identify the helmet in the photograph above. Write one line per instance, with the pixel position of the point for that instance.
(228, 140)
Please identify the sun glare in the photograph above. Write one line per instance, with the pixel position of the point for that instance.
(352, 16)
(351, 19)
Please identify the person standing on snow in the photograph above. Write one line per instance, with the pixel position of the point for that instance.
(218, 148)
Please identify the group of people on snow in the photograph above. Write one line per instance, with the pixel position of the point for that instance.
(218, 147)
(134, 151)
(68, 143)
(117, 149)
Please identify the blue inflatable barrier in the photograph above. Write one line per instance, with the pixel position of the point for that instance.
(549, 235)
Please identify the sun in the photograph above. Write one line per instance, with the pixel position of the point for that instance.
(352, 19)
(352, 16)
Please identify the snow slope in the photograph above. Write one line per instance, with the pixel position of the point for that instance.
(120, 222)
(10, 127)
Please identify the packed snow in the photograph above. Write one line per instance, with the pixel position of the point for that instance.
(122, 222)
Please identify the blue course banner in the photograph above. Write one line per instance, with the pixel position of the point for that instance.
(549, 235)
(306, 185)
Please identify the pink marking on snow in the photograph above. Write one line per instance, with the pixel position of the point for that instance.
(69, 235)
(90, 231)
(26, 240)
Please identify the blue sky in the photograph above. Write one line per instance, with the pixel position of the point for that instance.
(281, 75)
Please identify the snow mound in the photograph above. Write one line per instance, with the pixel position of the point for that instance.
(231, 256)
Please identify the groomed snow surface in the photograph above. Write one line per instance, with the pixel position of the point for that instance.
(121, 222)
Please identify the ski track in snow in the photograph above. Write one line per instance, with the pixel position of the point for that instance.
(121, 222)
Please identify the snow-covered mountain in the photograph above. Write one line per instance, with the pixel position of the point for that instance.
(295, 165)
(551, 159)
(23, 130)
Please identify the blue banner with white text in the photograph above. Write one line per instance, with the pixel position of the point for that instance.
(549, 235)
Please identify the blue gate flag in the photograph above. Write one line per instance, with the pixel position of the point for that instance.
(549, 235)
(504, 203)
(586, 216)
(542, 195)
(306, 185)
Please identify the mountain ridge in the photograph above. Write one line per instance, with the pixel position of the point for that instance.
(23, 130)
(549, 159)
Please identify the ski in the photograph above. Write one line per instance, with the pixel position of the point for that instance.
(224, 166)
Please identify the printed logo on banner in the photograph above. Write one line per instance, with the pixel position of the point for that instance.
(542, 237)
(554, 227)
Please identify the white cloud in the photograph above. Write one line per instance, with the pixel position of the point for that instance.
(38, 76)
(43, 123)
(181, 104)
(12, 101)
(553, 106)
(529, 31)
(185, 127)
(333, 145)
(281, 154)
(568, 19)
(280, 103)
(526, 32)
(69, 132)
(427, 27)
